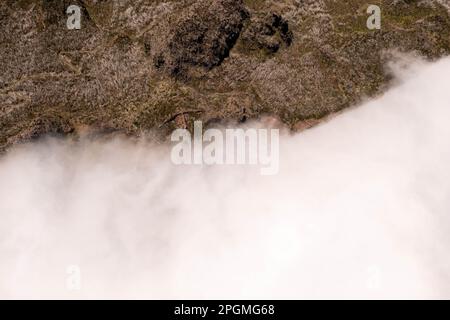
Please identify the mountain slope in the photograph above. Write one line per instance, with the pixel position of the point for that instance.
(151, 65)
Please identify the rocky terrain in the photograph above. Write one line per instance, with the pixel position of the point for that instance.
(150, 65)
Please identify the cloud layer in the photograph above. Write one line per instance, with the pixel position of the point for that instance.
(360, 209)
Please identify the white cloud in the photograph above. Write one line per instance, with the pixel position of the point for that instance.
(360, 209)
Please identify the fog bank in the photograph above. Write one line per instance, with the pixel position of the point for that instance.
(360, 209)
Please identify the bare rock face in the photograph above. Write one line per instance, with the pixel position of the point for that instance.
(151, 65)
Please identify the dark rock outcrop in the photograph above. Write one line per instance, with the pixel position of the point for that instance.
(204, 37)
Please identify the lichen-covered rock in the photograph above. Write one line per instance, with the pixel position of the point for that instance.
(152, 65)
